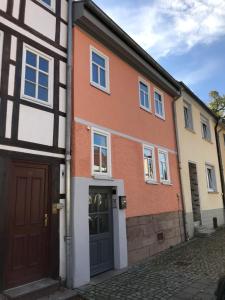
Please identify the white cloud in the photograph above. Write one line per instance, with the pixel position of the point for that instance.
(165, 27)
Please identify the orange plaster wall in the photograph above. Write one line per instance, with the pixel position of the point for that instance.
(120, 111)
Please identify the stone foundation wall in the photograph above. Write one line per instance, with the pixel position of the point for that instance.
(143, 233)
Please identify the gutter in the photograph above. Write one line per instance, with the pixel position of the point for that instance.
(219, 121)
(68, 224)
(186, 236)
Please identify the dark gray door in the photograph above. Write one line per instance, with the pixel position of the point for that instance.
(101, 231)
(195, 192)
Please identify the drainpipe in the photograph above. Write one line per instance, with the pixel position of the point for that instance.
(219, 121)
(179, 169)
(68, 225)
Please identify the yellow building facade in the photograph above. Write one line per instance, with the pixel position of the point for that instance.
(199, 164)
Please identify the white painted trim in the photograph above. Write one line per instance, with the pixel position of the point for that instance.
(29, 151)
(168, 181)
(1, 49)
(107, 88)
(31, 36)
(212, 168)
(50, 77)
(123, 135)
(150, 180)
(163, 105)
(51, 7)
(141, 80)
(109, 161)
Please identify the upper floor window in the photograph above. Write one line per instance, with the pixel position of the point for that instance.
(205, 127)
(144, 95)
(159, 104)
(211, 178)
(164, 166)
(101, 153)
(99, 70)
(188, 121)
(149, 164)
(48, 3)
(37, 77)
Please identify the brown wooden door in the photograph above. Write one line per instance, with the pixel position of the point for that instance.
(28, 228)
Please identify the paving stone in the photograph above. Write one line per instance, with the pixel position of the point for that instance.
(189, 271)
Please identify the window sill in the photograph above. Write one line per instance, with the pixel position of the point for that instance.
(151, 182)
(102, 177)
(213, 192)
(37, 101)
(160, 117)
(191, 130)
(166, 183)
(107, 91)
(145, 109)
(209, 141)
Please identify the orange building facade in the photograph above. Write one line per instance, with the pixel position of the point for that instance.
(125, 175)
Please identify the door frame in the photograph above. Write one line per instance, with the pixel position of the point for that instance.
(6, 159)
(110, 190)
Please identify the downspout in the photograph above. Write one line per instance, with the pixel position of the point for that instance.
(219, 121)
(68, 225)
(179, 169)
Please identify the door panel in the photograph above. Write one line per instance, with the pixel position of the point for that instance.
(28, 237)
(100, 228)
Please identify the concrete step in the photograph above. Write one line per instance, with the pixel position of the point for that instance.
(33, 290)
(203, 231)
(62, 294)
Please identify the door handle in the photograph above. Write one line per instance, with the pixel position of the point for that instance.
(46, 220)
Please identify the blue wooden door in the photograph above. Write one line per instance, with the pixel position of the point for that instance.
(101, 230)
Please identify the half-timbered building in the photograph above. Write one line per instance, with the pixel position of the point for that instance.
(33, 60)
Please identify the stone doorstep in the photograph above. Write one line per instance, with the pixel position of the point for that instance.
(32, 290)
(63, 294)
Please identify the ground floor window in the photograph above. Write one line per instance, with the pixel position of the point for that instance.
(164, 166)
(211, 178)
(149, 163)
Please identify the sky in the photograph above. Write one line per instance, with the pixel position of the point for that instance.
(187, 37)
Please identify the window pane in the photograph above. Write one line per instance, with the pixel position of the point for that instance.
(42, 93)
(43, 79)
(160, 109)
(103, 204)
(30, 74)
(142, 96)
(102, 78)
(186, 117)
(104, 160)
(43, 64)
(146, 101)
(93, 224)
(48, 2)
(92, 204)
(100, 140)
(162, 157)
(158, 97)
(144, 87)
(31, 58)
(210, 180)
(96, 159)
(95, 73)
(103, 223)
(98, 59)
(29, 89)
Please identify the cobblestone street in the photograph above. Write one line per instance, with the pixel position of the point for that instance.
(189, 271)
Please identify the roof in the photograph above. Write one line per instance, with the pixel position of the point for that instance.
(90, 17)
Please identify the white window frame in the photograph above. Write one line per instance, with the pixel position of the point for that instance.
(188, 105)
(1, 51)
(163, 117)
(108, 138)
(212, 168)
(92, 82)
(50, 77)
(154, 179)
(205, 121)
(143, 81)
(51, 7)
(168, 181)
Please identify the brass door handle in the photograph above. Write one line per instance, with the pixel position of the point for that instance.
(46, 220)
